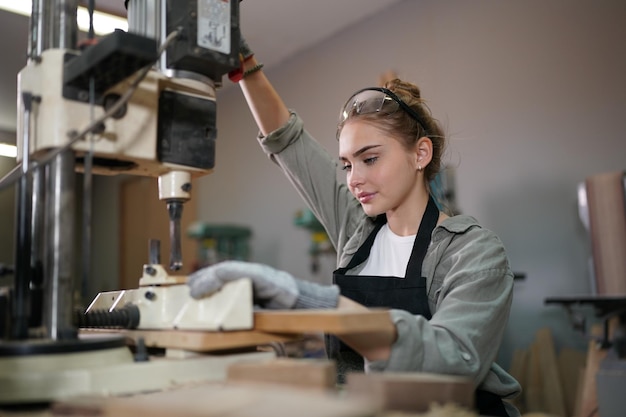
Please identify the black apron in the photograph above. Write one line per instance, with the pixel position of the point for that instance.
(408, 293)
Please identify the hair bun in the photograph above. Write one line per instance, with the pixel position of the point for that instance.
(404, 89)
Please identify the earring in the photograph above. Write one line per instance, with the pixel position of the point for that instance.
(419, 168)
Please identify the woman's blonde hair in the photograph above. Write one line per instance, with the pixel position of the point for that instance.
(404, 127)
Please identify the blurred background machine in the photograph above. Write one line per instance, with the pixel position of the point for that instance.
(219, 242)
(602, 209)
(320, 242)
(142, 103)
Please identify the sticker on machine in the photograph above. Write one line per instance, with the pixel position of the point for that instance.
(214, 25)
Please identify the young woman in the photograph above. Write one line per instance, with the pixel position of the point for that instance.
(446, 280)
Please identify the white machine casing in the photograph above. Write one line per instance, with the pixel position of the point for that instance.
(131, 138)
(164, 303)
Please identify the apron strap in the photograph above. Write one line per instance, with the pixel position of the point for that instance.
(422, 240)
(364, 251)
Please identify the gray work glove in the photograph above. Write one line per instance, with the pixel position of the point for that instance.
(245, 53)
(244, 50)
(272, 289)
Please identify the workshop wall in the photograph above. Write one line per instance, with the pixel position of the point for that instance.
(532, 96)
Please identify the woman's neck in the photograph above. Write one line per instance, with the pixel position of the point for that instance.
(406, 218)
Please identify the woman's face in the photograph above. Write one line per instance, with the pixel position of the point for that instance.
(380, 172)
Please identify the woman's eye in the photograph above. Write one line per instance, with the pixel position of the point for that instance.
(346, 167)
(370, 161)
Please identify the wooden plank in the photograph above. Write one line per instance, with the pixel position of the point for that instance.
(200, 341)
(533, 391)
(410, 391)
(205, 341)
(236, 400)
(588, 401)
(328, 321)
(519, 371)
(571, 363)
(552, 388)
(270, 326)
(607, 226)
(579, 393)
(318, 374)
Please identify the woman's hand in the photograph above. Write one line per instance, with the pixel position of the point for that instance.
(272, 288)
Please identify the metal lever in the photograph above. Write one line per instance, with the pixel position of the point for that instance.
(154, 251)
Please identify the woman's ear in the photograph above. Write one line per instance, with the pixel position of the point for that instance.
(424, 147)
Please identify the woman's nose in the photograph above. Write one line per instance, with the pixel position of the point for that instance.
(355, 178)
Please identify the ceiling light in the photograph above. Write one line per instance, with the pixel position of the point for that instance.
(103, 23)
(8, 150)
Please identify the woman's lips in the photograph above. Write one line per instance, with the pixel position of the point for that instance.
(365, 198)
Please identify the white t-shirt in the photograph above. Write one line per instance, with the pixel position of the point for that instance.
(390, 254)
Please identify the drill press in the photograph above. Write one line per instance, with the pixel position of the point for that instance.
(140, 102)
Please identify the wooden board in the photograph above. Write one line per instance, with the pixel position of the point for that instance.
(223, 399)
(320, 374)
(571, 364)
(199, 341)
(588, 400)
(270, 326)
(328, 321)
(534, 388)
(519, 370)
(607, 224)
(410, 391)
(552, 387)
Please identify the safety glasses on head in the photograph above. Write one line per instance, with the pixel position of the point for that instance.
(374, 100)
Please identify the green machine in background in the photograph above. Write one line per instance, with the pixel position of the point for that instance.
(320, 243)
(220, 242)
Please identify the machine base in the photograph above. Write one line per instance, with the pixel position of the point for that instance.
(40, 378)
